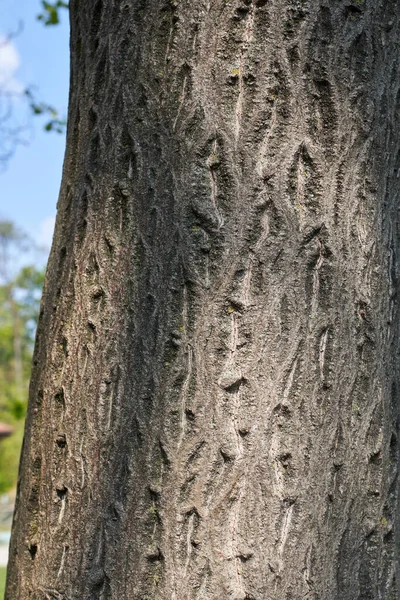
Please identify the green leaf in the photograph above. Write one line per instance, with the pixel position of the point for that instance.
(41, 108)
(50, 14)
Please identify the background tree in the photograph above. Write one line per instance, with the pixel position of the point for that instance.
(20, 292)
(214, 403)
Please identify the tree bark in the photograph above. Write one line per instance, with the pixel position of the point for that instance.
(214, 405)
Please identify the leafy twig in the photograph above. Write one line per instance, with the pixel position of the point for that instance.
(50, 14)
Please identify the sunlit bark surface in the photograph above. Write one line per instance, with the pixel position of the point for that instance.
(214, 408)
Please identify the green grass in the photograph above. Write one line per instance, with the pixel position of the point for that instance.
(3, 571)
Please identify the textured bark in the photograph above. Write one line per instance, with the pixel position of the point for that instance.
(214, 406)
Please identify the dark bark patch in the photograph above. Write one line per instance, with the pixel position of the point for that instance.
(284, 459)
(155, 492)
(393, 489)
(305, 184)
(81, 221)
(101, 71)
(376, 458)
(192, 511)
(94, 153)
(127, 161)
(233, 387)
(95, 579)
(92, 268)
(35, 487)
(289, 501)
(206, 216)
(190, 415)
(164, 455)
(33, 550)
(92, 118)
(311, 233)
(242, 9)
(61, 440)
(227, 455)
(96, 19)
(393, 448)
(296, 14)
(282, 410)
(109, 245)
(39, 398)
(359, 56)
(244, 557)
(154, 554)
(59, 398)
(195, 453)
(92, 331)
(124, 50)
(235, 304)
(61, 491)
(388, 537)
(97, 295)
(82, 228)
(352, 10)
(61, 260)
(64, 345)
(327, 109)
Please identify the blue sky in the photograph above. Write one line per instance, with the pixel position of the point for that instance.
(38, 56)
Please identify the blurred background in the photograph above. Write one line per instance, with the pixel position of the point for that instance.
(34, 73)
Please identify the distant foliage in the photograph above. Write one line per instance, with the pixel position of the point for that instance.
(20, 295)
(55, 123)
(51, 12)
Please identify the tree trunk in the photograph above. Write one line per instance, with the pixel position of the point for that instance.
(214, 406)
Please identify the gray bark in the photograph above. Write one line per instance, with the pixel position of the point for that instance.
(214, 406)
